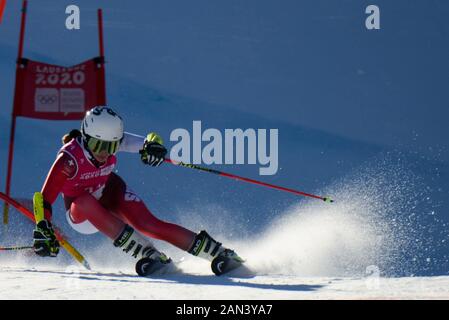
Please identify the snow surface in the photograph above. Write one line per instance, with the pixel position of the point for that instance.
(53, 283)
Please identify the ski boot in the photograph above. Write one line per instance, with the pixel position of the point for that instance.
(150, 260)
(156, 263)
(223, 260)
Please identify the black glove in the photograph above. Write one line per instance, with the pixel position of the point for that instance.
(45, 243)
(153, 153)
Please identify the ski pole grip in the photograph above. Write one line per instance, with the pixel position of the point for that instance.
(38, 207)
(328, 200)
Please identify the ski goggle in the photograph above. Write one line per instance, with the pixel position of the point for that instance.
(96, 145)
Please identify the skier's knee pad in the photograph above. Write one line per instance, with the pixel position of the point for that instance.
(84, 227)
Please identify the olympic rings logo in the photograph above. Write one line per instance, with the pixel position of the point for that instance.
(47, 99)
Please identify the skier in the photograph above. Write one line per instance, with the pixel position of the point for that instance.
(97, 199)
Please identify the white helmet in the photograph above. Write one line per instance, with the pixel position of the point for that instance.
(102, 124)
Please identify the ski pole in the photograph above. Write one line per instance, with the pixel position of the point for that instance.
(233, 176)
(14, 248)
(63, 242)
(38, 210)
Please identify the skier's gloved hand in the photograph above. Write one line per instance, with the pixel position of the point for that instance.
(45, 243)
(153, 152)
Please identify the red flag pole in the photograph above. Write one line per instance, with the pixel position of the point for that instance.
(100, 32)
(101, 73)
(2, 9)
(13, 120)
(22, 28)
(8, 176)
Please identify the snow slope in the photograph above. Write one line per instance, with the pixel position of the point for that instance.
(74, 284)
